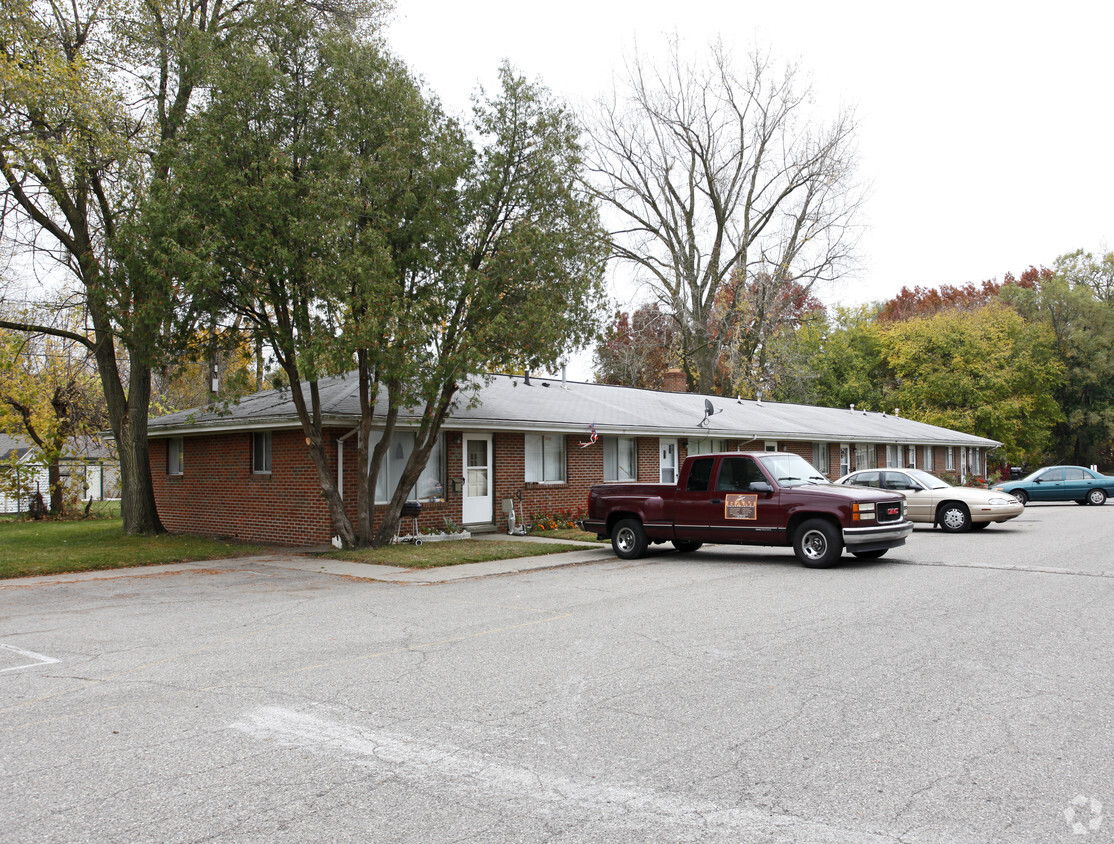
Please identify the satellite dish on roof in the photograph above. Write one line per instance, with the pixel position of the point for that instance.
(709, 411)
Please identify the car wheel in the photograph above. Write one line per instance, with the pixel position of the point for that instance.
(1096, 497)
(870, 555)
(628, 539)
(817, 544)
(1022, 496)
(954, 517)
(980, 525)
(686, 546)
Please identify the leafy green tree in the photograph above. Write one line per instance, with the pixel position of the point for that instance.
(94, 96)
(987, 371)
(522, 280)
(842, 362)
(1083, 270)
(1071, 305)
(380, 235)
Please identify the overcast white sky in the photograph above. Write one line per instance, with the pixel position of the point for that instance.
(985, 127)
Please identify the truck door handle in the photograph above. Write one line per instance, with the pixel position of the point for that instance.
(716, 501)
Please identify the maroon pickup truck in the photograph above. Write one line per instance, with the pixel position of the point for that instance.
(759, 498)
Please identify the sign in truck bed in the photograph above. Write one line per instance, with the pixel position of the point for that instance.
(750, 498)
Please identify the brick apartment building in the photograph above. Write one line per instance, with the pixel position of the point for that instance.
(537, 442)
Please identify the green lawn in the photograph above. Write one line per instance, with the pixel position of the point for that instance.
(51, 547)
(568, 533)
(434, 554)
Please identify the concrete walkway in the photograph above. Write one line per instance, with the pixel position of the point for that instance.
(304, 559)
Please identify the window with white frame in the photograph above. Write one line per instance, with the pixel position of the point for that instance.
(431, 482)
(865, 456)
(261, 452)
(706, 446)
(844, 459)
(912, 457)
(893, 457)
(620, 459)
(771, 445)
(175, 455)
(949, 461)
(929, 461)
(976, 462)
(820, 457)
(545, 458)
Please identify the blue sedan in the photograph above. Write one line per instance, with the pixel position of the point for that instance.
(1061, 483)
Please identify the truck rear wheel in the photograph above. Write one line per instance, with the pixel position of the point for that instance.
(628, 539)
(818, 544)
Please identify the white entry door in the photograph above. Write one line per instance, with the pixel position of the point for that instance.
(668, 463)
(479, 504)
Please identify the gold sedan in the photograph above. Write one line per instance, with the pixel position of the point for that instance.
(929, 499)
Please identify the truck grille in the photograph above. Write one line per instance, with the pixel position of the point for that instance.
(891, 511)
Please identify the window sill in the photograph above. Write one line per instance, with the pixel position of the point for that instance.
(546, 483)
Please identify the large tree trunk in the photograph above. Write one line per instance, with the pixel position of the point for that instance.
(128, 412)
(54, 479)
(310, 417)
(433, 419)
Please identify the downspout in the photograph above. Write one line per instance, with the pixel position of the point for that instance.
(340, 460)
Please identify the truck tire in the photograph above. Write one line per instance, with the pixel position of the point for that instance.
(628, 539)
(686, 546)
(870, 555)
(817, 544)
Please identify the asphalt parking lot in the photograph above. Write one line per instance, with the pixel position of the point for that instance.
(957, 690)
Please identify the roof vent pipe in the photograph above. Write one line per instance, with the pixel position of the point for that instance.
(897, 411)
(852, 407)
(527, 379)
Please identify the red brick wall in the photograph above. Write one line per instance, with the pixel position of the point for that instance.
(218, 495)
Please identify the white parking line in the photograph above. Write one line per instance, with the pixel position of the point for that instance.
(37, 659)
(417, 760)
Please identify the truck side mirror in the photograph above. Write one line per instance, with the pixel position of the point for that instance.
(760, 486)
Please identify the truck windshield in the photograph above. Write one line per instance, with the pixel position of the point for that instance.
(791, 470)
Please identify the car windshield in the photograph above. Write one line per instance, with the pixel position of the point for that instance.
(930, 481)
(791, 470)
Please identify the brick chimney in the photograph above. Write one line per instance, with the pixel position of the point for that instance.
(675, 381)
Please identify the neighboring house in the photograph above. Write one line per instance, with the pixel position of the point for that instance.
(536, 443)
(89, 472)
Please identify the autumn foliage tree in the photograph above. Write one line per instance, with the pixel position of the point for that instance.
(755, 318)
(49, 395)
(637, 349)
(986, 371)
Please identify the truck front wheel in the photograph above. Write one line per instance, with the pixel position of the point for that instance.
(628, 539)
(817, 544)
